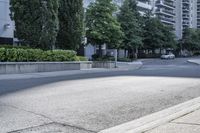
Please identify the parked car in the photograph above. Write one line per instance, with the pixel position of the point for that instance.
(168, 56)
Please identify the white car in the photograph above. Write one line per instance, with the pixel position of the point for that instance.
(168, 56)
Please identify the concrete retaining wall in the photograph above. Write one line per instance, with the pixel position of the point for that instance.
(103, 64)
(33, 67)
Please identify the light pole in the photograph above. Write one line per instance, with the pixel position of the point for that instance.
(116, 53)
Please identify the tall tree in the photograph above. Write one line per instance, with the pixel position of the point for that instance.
(102, 26)
(169, 40)
(129, 18)
(153, 34)
(36, 22)
(71, 24)
(191, 39)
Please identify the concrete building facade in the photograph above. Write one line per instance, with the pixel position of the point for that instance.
(179, 14)
(165, 11)
(186, 16)
(6, 25)
(198, 14)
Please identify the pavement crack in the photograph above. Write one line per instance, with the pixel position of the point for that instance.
(19, 130)
(49, 123)
(28, 111)
(77, 127)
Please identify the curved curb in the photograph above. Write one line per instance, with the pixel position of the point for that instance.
(130, 66)
(146, 123)
(194, 62)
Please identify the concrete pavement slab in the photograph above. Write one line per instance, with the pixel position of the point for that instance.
(154, 120)
(12, 119)
(192, 118)
(99, 103)
(176, 128)
(52, 128)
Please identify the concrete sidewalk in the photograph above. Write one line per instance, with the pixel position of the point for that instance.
(182, 118)
(189, 123)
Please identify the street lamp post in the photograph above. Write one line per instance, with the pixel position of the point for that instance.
(116, 53)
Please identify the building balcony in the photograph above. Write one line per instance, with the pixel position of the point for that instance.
(143, 5)
(167, 20)
(165, 12)
(186, 1)
(166, 4)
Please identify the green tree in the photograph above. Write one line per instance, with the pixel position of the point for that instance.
(169, 40)
(154, 35)
(129, 18)
(191, 39)
(157, 35)
(102, 26)
(70, 23)
(36, 22)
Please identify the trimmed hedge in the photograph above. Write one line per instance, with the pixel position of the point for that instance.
(37, 55)
(81, 58)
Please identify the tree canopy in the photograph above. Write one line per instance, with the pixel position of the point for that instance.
(129, 18)
(157, 35)
(191, 39)
(36, 22)
(70, 23)
(102, 26)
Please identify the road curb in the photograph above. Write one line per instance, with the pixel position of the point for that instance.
(193, 62)
(149, 122)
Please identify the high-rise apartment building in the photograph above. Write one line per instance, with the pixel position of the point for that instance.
(198, 14)
(6, 25)
(179, 14)
(186, 16)
(165, 11)
(143, 5)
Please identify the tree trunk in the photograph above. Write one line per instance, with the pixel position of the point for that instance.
(100, 50)
(136, 53)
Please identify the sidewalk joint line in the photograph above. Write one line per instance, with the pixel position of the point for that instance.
(52, 121)
(185, 123)
(41, 115)
(19, 130)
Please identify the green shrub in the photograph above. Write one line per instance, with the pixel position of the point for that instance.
(81, 58)
(197, 53)
(25, 55)
(2, 54)
(11, 46)
(124, 60)
(96, 57)
(59, 55)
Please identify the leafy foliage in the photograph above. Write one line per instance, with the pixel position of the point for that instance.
(36, 22)
(70, 23)
(157, 35)
(102, 26)
(129, 18)
(24, 55)
(191, 39)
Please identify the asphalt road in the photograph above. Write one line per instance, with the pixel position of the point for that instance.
(88, 103)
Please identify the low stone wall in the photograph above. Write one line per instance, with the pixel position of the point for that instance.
(33, 67)
(103, 64)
